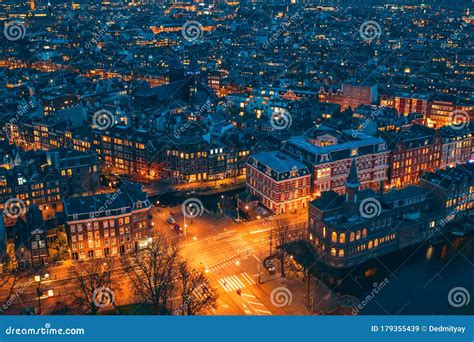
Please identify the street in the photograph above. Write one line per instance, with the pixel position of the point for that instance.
(230, 254)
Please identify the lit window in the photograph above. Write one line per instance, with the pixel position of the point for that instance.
(342, 238)
(341, 252)
(334, 237)
(333, 251)
(352, 236)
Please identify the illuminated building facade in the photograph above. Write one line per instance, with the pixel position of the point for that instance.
(281, 183)
(329, 155)
(108, 224)
(350, 95)
(344, 232)
(412, 152)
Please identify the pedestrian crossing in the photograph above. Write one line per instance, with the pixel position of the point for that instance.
(248, 278)
(234, 282)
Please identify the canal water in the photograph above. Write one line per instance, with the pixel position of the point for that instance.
(414, 281)
(212, 203)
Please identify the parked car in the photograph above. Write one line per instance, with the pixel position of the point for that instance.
(270, 266)
(171, 220)
(110, 181)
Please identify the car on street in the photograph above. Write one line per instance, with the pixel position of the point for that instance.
(178, 229)
(110, 181)
(171, 220)
(270, 266)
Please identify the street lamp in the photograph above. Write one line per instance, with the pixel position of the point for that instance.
(38, 291)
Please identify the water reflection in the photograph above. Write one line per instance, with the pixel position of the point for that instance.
(429, 253)
(420, 279)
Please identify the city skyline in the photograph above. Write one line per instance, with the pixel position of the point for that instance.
(246, 158)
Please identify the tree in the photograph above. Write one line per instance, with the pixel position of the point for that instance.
(94, 285)
(197, 295)
(8, 280)
(282, 235)
(152, 271)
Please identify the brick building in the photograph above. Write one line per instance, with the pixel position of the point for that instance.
(329, 154)
(411, 152)
(349, 229)
(457, 146)
(453, 191)
(350, 95)
(108, 224)
(281, 183)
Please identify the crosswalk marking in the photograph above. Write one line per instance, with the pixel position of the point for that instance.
(255, 303)
(231, 283)
(234, 283)
(248, 295)
(263, 311)
(248, 278)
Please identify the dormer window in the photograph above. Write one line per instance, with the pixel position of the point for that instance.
(353, 152)
(294, 172)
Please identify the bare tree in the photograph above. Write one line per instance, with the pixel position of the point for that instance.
(152, 271)
(93, 281)
(197, 295)
(282, 235)
(9, 278)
